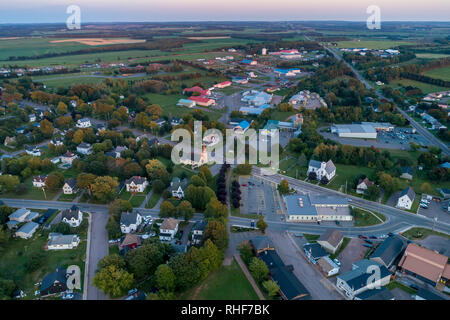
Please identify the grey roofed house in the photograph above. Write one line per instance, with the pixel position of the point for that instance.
(261, 243)
(375, 294)
(410, 192)
(128, 218)
(72, 183)
(357, 277)
(315, 164)
(54, 282)
(84, 145)
(290, 287)
(70, 213)
(28, 229)
(330, 167)
(391, 248)
(176, 183)
(61, 239)
(314, 251)
(19, 214)
(333, 237)
(199, 225)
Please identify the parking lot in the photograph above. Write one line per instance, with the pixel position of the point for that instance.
(353, 252)
(439, 244)
(257, 197)
(436, 210)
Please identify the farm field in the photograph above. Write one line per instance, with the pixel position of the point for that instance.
(371, 44)
(432, 55)
(441, 73)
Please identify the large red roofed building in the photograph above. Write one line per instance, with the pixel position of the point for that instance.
(202, 101)
(197, 89)
(223, 84)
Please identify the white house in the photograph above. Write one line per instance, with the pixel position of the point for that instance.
(328, 266)
(363, 185)
(327, 169)
(359, 278)
(20, 215)
(168, 229)
(84, 148)
(33, 151)
(57, 142)
(72, 216)
(197, 231)
(406, 199)
(177, 187)
(83, 123)
(68, 157)
(136, 184)
(62, 242)
(130, 221)
(70, 186)
(39, 181)
(32, 117)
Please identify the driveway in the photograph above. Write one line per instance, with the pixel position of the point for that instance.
(353, 252)
(318, 286)
(437, 243)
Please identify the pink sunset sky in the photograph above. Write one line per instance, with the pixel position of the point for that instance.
(228, 10)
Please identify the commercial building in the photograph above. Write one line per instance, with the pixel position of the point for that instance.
(354, 131)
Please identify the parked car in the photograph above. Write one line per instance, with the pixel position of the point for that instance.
(362, 237)
(337, 262)
(132, 291)
(373, 237)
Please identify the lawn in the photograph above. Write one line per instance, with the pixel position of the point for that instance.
(365, 218)
(67, 197)
(227, 283)
(32, 193)
(311, 237)
(441, 73)
(137, 200)
(417, 233)
(153, 200)
(18, 251)
(346, 173)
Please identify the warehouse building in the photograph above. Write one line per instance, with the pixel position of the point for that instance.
(360, 131)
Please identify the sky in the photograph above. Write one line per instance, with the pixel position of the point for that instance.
(40, 11)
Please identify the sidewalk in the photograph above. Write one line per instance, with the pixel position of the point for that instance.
(249, 276)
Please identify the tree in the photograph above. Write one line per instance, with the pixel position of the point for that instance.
(246, 252)
(7, 288)
(261, 225)
(112, 260)
(105, 188)
(46, 128)
(199, 197)
(34, 261)
(8, 182)
(324, 180)
(113, 281)
(85, 180)
(425, 188)
(61, 109)
(197, 181)
(216, 231)
(271, 287)
(258, 269)
(373, 192)
(156, 170)
(185, 210)
(54, 181)
(158, 186)
(143, 261)
(283, 187)
(243, 169)
(215, 209)
(312, 176)
(165, 278)
(204, 170)
(167, 209)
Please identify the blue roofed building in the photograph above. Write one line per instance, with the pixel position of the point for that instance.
(242, 127)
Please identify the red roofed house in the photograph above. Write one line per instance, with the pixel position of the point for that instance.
(426, 265)
(223, 84)
(202, 101)
(197, 89)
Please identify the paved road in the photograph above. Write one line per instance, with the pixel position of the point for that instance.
(435, 141)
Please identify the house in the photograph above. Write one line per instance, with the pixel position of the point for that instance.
(322, 169)
(100, 127)
(68, 157)
(328, 266)
(363, 185)
(72, 216)
(57, 142)
(376, 294)
(425, 264)
(168, 229)
(314, 252)
(388, 251)
(261, 243)
(33, 151)
(175, 121)
(160, 122)
(84, 148)
(359, 278)
(130, 221)
(331, 240)
(242, 127)
(118, 151)
(32, 117)
(20, 215)
(83, 123)
(130, 241)
(186, 103)
(290, 287)
(407, 173)
(39, 181)
(197, 232)
(406, 199)
(202, 101)
(177, 187)
(136, 184)
(59, 241)
(27, 230)
(70, 186)
(10, 141)
(223, 85)
(55, 282)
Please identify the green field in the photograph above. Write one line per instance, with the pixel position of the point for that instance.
(227, 283)
(346, 173)
(363, 218)
(417, 233)
(425, 87)
(371, 44)
(441, 73)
